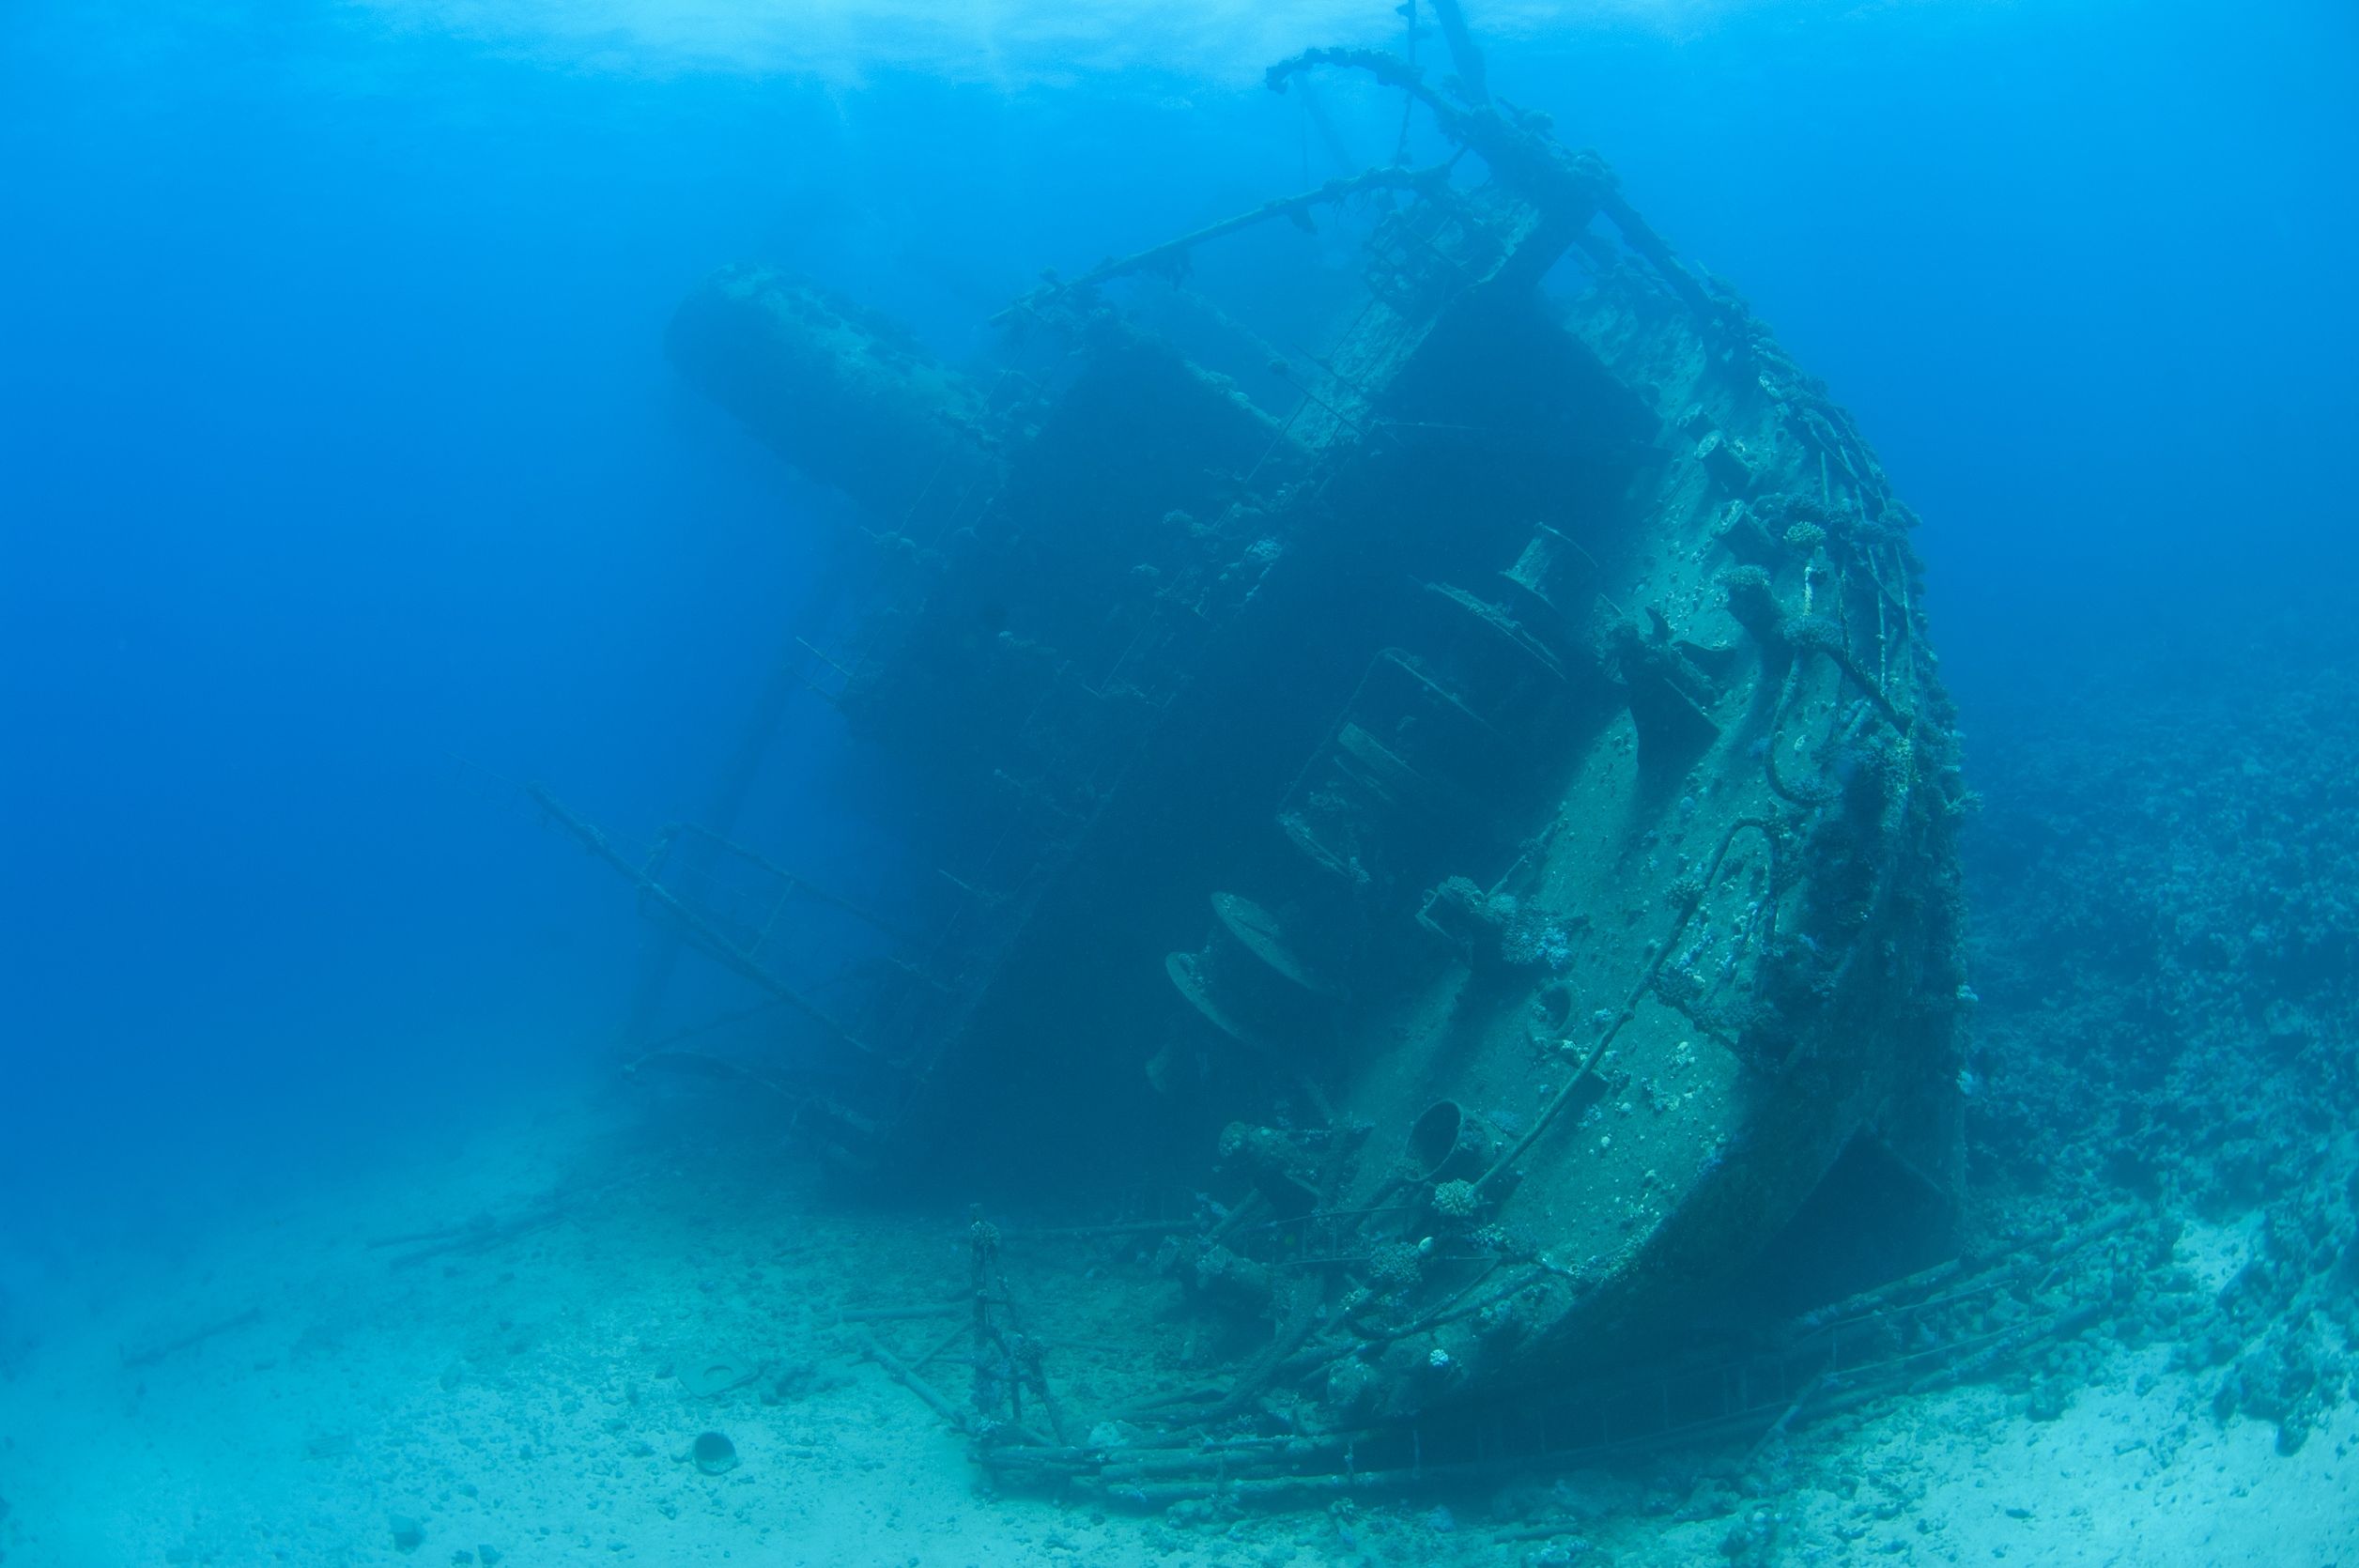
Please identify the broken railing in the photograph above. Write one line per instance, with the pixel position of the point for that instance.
(1966, 1319)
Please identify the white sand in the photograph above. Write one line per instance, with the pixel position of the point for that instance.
(519, 1398)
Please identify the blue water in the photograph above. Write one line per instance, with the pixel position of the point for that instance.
(344, 487)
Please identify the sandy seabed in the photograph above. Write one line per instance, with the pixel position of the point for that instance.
(524, 1396)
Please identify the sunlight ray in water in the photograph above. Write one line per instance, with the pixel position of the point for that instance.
(997, 42)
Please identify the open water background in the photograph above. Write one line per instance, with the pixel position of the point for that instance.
(342, 476)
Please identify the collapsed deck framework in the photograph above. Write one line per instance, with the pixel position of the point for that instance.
(1477, 787)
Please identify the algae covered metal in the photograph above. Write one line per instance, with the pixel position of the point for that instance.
(1456, 774)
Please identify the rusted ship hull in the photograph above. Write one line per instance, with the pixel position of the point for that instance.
(1475, 795)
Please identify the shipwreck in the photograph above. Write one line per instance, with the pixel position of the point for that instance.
(1458, 778)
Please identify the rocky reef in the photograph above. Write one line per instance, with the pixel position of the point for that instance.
(2166, 883)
